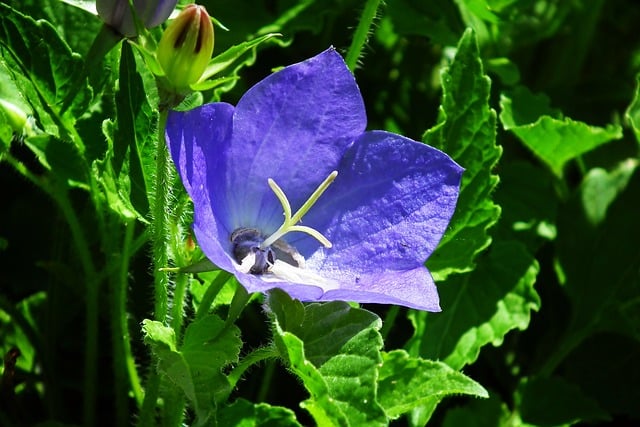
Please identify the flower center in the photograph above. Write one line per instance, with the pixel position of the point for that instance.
(257, 254)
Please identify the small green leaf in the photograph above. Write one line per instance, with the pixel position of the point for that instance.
(156, 334)
(466, 131)
(599, 189)
(478, 308)
(554, 401)
(242, 413)
(196, 368)
(553, 139)
(407, 382)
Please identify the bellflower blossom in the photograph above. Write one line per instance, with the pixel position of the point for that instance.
(291, 192)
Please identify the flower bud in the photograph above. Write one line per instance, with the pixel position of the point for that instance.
(117, 13)
(185, 47)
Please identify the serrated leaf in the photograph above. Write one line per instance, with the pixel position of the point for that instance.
(466, 130)
(478, 308)
(553, 139)
(242, 413)
(407, 382)
(196, 367)
(320, 404)
(554, 401)
(336, 355)
(47, 74)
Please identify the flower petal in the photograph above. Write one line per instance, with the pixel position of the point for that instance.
(293, 127)
(412, 288)
(197, 141)
(387, 209)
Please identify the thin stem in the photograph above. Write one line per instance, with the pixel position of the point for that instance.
(256, 356)
(122, 356)
(361, 35)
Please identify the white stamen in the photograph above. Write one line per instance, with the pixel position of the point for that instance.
(290, 221)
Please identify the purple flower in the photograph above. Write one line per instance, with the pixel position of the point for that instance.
(373, 205)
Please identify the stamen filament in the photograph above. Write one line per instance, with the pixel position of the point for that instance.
(290, 222)
(283, 199)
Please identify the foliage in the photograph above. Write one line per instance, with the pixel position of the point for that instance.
(538, 100)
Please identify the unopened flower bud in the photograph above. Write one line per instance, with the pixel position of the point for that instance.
(185, 47)
(118, 13)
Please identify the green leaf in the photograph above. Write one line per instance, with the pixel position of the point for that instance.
(553, 401)
(633, 112)
(47, 74)
(221, 62)
(553, 139)
(61, 157)
(241, 55)
(599, 189)
(336, 354)
(196, 367)
(407, 382)
(478, 308)
(243, 413)
(135, 131)
(466, 131)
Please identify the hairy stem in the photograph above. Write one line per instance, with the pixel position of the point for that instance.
(160, 220)
(361, 35)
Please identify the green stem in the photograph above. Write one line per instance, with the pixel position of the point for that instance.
(126, 374)
(160, 220)
(178, 302)
(361, 35)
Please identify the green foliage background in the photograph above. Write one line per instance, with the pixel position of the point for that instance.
(539, 272)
